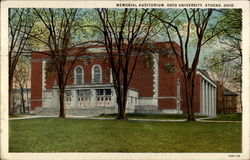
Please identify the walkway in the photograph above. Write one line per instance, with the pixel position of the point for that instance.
(98, 118)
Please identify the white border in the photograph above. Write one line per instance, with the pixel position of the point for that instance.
(110, 156)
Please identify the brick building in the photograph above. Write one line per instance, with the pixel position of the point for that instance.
(226, 100)
(156, 87)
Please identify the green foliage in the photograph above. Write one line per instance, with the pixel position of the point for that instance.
(132, 23)
(148, 60)
(80, 30)
(75, 135)
(226, 58)
(22, 72)
(170, 68)
(21, 24)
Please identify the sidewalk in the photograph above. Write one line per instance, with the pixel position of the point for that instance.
(97, 118)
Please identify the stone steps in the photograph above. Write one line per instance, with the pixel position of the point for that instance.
(76, 111)
(95, 111)
(147, 109)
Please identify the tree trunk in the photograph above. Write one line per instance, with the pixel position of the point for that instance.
(61, 101)
(121, 113)
(22, 97)
(189, 90)
(11, 107)
(27, 97)
(121, 102)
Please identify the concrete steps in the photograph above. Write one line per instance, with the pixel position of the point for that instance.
(147, 109)
(75, 111)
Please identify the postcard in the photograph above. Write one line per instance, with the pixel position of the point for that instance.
(124, 79)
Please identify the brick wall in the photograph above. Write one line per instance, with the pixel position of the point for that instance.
(36, 84)
(142, 79)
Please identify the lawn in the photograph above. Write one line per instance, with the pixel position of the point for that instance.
(151, 116)
(79, 135)
(228, 117)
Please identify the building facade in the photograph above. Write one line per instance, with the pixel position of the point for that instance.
(157, 85)
(226, 100)
(21, 100)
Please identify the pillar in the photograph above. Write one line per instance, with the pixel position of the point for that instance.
(93, 99)
(203, 97)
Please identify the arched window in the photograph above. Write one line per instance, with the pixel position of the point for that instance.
(96, 74)
(78, 75)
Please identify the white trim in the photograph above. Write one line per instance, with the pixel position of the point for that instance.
(207, 79)
(43, 80)
(202, 97)
(43, 75)
(92, 73)
(178, 89)
(215, 102)
(156, 75)
(75, 74)
(110, 76)
(207, 100)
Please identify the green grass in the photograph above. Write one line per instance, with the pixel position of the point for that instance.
(79, 135)
(150, 116)
(228, 117)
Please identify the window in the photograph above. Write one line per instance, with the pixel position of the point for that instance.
(107, 91)
(68, 93)
(96, 74)
(85, 92)
(103, 92)
(78, 75)
(99, 92)
(103, 95)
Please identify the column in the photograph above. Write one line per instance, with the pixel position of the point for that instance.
(212, 103)
(207, 99)
(178, 95)
(74, 100)
(215, 101)
(214, 109)
(93, 98)
(210, 100)
(203, 97)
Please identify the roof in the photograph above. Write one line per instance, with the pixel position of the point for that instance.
(99, 49)
(227, 92)
(206, 74)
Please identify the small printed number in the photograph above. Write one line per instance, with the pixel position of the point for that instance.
(233, 155)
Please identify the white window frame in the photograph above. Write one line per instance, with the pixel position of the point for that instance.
(94, 73)
(75, 75)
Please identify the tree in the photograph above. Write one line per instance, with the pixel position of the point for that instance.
(22, 77)
(226, 60)
(125, 33)
(21, 23)
(60, 28)
(190, 27)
